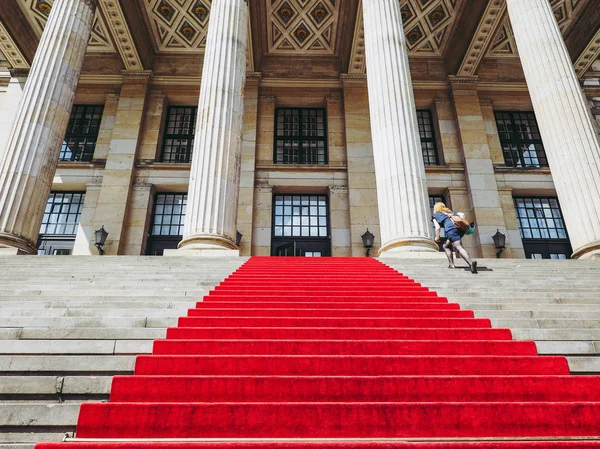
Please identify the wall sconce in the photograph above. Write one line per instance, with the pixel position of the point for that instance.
(499, 242)
(100, 237)
(238, 238)
(368, 241)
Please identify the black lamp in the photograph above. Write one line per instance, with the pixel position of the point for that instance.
(368, 240)
(238, 238)
(100, 236)
(499, 242)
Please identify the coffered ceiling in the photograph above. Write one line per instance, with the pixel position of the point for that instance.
(503, 43)
(306, 27)
(427, 25)
(37, 12)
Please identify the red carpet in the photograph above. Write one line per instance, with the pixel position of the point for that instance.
(340, 353)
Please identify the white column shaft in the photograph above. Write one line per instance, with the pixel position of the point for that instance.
(399, 169)
(214, 179)
(29, 162)
(565, 121)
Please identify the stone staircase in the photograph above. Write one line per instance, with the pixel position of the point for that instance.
(67, 324)
(555, 303)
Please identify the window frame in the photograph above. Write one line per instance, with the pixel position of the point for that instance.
(190, 137)
(425, 139)
(79, 135)
(301, 138)
(46, 235)
(162, 215)
(518, 142)
(540, 239)
(274, 215)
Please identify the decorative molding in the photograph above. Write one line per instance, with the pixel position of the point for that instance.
(121, 34)
(338, 190)
(307, 27)
(463, 79)
(37, 12)
(11, 51)
(137, 77)
(488, 25)
(101, 79)
(353, 77)
(589, 56)
(19, 73)
(253, 76)
(301, 82)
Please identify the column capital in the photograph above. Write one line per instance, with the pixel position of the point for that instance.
(253, 76)
(463, 80)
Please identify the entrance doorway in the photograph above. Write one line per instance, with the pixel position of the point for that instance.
(301, 226)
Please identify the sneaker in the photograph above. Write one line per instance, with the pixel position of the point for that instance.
(474, 267)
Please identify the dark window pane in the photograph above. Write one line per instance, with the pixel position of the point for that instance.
(80, 138)
(63, 208)
(178, 141)
(521, 140)
(540, 218)
(300, 136)
(428, 143)
(169, 214)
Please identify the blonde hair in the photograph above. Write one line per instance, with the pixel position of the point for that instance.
(440, 207)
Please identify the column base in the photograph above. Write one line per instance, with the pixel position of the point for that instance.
(411, 248)
(205, 246)
(591, 251)
(13, 245)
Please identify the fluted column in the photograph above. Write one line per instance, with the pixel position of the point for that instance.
(210, 222)
(565, 121)
(404, 214)
(27, 166)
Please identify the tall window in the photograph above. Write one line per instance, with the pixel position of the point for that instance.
(166, 229)
(82, 133)
(521, 140)
(542, 228)
(62, 214)
(169, 214)
(428, 144)
(59, 224)
(300, 136)
(178, 140)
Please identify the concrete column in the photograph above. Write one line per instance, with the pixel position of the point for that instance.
(479, 170)
(564, 118)
(27, 166)
(211, 219)
(9, 103)
(400, 174)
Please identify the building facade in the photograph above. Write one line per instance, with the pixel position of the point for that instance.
(298, 124)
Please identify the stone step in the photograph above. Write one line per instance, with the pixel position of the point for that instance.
(98, 312)
(55, 386)
(520, 323)
(82, 333)
(66, 347)
(105, 321)
(139, 303)
(40, 414)
(57, 364)
(557, 334)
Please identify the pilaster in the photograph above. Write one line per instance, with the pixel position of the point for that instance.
(262, 223)
(138, 220)
(362, 196)
(479, 170)
(248, 164)
(13, 86)
(85, 239)
(115, 193)
(339, 212)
